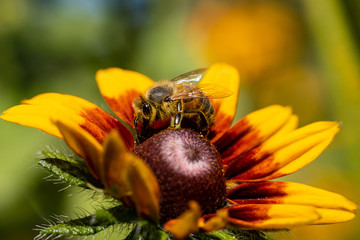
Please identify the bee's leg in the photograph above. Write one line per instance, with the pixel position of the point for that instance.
(136, 119)
(176, 120)
(201, 120)
(204, 125)
(206, 130)
(142, 132)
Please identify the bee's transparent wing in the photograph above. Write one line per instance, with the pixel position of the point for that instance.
(187, 87)
(211, 91)
(190, 78)
(214, 91)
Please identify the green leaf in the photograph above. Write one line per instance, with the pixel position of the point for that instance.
(68, 170)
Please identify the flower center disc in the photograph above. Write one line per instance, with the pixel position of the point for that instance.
(187, 167)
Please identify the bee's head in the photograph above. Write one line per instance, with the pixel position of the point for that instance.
(160, 93)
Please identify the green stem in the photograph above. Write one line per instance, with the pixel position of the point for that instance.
(340, 63)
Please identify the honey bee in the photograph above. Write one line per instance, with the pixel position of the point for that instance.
(180, 102)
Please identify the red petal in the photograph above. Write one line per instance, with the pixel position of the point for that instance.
(99, 123)
(283, 155)
(253, 130)
(331, 207)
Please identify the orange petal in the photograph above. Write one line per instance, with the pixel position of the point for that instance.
(124, 174)
(254, 129)
(285, 155)
(331, 207)
(271, 216)
(215, 222)
(187, 223)
(119, 87)
(43, 110)
(224, 76)
(83, 144)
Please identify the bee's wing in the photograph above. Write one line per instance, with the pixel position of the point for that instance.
(211, 91)
(187, 86)
(214, 91)
(190, 78)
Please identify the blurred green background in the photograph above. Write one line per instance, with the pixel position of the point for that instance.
(299, 53)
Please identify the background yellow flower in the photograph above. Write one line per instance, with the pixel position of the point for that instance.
(257, 37)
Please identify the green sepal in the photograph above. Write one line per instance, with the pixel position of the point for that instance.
(147, 230)
(248, 234)
(89, 225)
(92, 224)
(229, 233)
(58, 155)
(68, 170)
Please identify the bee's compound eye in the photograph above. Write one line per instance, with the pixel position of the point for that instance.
(146, 108)
(167, 99)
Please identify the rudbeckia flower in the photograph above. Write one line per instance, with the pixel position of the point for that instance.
(185, 182)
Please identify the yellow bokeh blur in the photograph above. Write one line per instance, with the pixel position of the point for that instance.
(255, 36)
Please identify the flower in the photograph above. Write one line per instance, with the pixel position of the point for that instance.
(257, 37)
(231, 168)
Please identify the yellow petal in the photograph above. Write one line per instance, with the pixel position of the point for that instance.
(216, 222)
(119, 87)
(333, 216)
(271, 216)
(187, 223)
(230, 185)
(317, 197)
(331, 207)
(83, 144)
(43, 110)
(285, 155)
(224, 76)
(288, 127)
(254, 129)
(303, 151)
(323, 129)
(125, 174)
